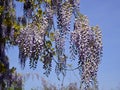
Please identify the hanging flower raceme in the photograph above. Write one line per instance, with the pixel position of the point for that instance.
(76, 3)
(89, 45)
(64, 17)
(31, 41)
(61, 61)
(64, 14)
(59, 42)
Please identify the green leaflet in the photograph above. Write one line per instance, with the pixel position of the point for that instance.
(48, 44)
(52, 36)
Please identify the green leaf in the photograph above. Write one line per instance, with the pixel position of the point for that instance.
(13, 69)
(16, 26)
(1, 9)
(48, 1)
(48, 44)
(52, 36)
(39, 13)
(7, 22)
(11, 88)
(21, 0)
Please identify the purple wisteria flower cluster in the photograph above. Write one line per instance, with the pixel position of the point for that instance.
(89, 46)
(31, 40)
(49, 32)
(64, 17)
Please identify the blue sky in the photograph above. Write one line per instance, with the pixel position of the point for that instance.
(106, 14)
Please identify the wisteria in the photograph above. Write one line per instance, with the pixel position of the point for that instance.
(76, 4)
(59, 42)
(31, 41)
(28, 8)
(64, 17)
(64, 14)
(85, 40)
(61, 58)
(89, 46)
(35, 43)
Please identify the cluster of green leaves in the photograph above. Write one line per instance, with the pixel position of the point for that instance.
(7, 23)
(8, 79)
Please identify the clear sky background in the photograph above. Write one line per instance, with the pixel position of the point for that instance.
(106, 14)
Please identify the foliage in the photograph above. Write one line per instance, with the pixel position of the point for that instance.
(7, 21)
(43, 31)
(10, 78)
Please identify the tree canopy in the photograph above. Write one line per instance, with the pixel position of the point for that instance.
(43, 32)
